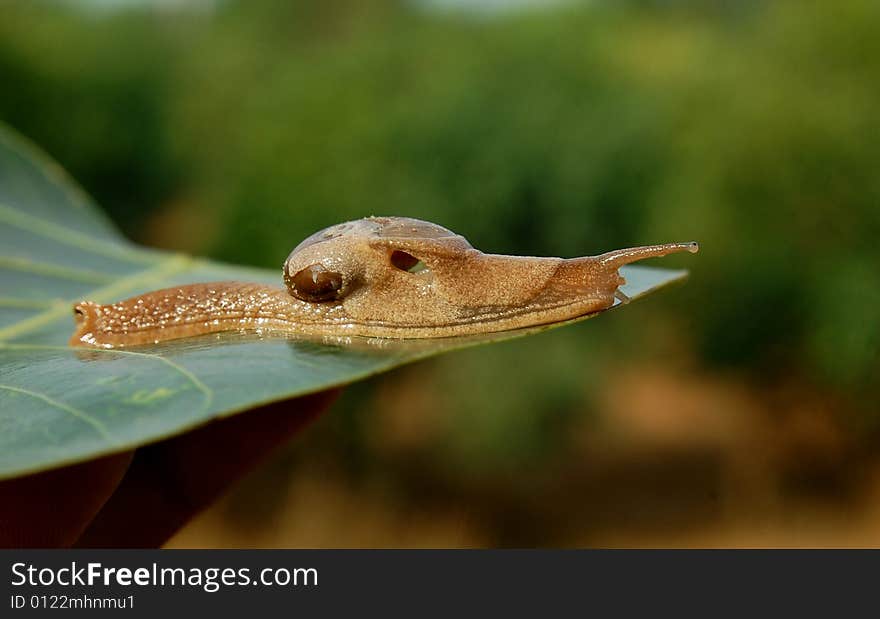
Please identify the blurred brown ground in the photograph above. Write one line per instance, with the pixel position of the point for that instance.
(676, 458)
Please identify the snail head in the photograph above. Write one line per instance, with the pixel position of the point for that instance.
(407, 274)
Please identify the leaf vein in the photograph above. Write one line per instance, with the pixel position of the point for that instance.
(55, 174)
(42, 268)
(60, 234)
(207, 392)
(79, 414)
(169, 266)
(27, 303)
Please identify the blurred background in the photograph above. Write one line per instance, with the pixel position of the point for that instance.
(741, 409)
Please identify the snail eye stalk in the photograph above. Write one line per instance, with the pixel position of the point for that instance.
(315, 284)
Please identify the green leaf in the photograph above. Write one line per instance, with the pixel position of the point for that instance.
(60, 405)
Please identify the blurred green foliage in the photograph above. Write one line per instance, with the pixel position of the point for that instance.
(565, 131)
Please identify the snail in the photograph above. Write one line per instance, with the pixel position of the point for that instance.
(387, 277)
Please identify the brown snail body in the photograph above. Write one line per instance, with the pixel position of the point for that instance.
(391, 277)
